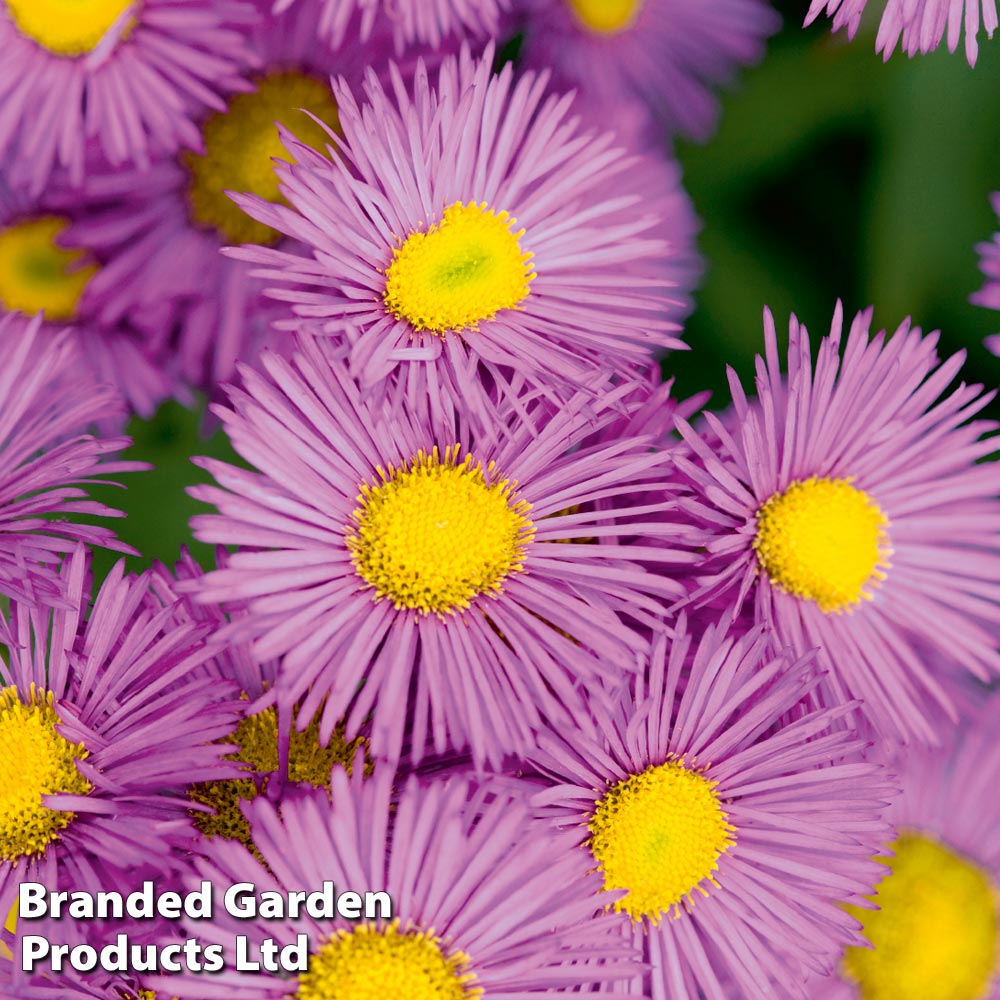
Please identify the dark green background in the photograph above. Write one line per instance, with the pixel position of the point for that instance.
(832, 175)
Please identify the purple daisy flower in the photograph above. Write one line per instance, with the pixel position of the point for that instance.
(231, 661)
(144, 936)
(50, 265)
(47, 456)
(533, 249)
(733, 821)
(669, 54)
(265, 743)
(129, 76)
(65, 985)
(424, 22)
(471, 568)
(849, 505)
(935, 929)
(158, 232)
(451, 858)
(104, 731)
(915, 25)
(989, 263)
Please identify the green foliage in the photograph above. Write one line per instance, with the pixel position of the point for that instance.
(155, 502)
(835, 175)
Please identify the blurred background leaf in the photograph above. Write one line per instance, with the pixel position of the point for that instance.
(835, 175)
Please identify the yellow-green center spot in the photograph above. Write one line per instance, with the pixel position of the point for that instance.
(438, 532)
(41, 763)
(66, 27)
(461, 271)
(935, 932)
(309, 762)
(240, 145)
(823, 540)
(659, 835)
(386, 963)
(37, 275)
(606, 17)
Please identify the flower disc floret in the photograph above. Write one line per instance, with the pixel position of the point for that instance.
(379, 963)
(241, 145)
(659, 835)
(66, 27)
(309, 762)
(461, 271)
(438, 532)
(41, 762)
(823, 540)
(606, 17)
(934, 935)
(37, 275)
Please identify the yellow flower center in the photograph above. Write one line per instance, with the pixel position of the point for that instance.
(377, 963)
(240, 145)
(36, 274)
(436, 533)
(10, 925)
(462, 270)
(66, 27)
(606, 17)
(257, 736)
(823, 540)
(41, 762)
(659, 835)
(935, 934)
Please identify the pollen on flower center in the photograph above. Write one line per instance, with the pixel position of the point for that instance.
(42, 763)
(823, 540)
(37, 275)
(66, 27)
(240, 145)
(439, 531)
(309, 762)
(10, 925)
(606, 17)
(659, 835)
(934, 935)
(383, 963)
(461, 271)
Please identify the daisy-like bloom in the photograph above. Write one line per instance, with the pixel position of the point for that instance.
(130, 76)
(989, 263)
(669, 54)
(473, 570)
(49, 267)
(532, 248)
(732, 819)
(159, 232)
(915, 25)
(936, 929)
(265, 743)
(47, 456)
(259, 751)
(101, 730)
(848, 505)
(69, 985)
(230, 661)
(485, 901)
(424, 22)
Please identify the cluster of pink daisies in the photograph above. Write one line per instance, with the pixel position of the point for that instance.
(611, 693)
